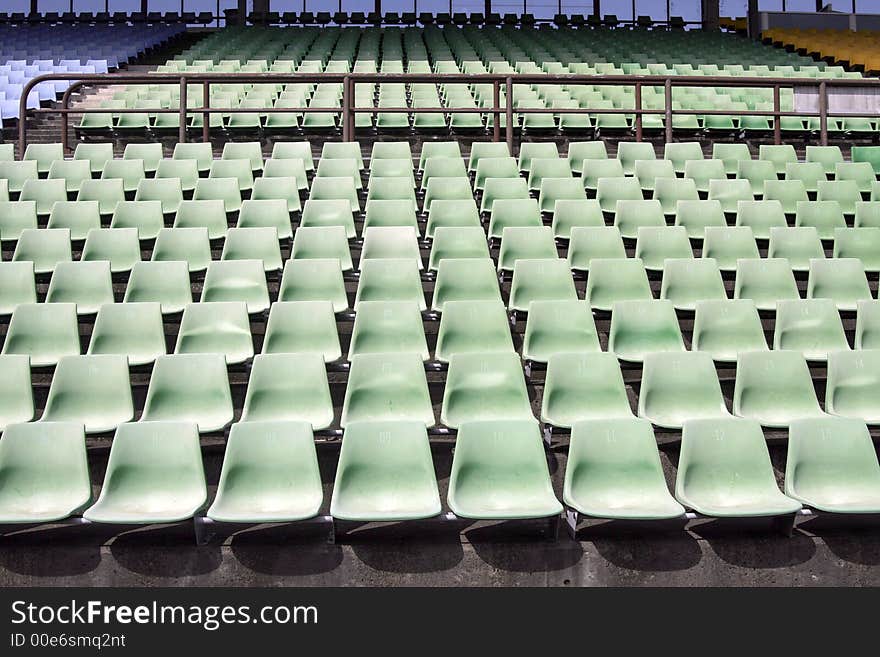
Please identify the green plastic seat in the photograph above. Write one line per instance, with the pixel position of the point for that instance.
(757, 173)
(545, 279)
(521, 242)
(93, 391)
(314, 279)
(731, 155)
(514, 213)
(724, 471)
(72, 172)
(132, 330)
(862, 173)
(832, 466)
(154, 475)
(251, 151)
(726, 328)
(611, 191)
(619, 476)
(130, 172)
(641, 327)
(487, 386)
(292, 168)
(16, 216)
(583, 386)
(45, 193)
(398, 188)
(703, 172)
(465, 279)
(841, 279)
(845, 192)
(219, 327)
(669, 191)
(578, 151)
(654, 245)
(810, 174)
(392, 168)
(790, 193)
(223, 189)
(473, 326)
(46, 248)
(322, 242)
(696, 216)
(852, 385)
(494, 167)
(388, 327)
(826, 156)
(17, 285)
(390, 279)
(86, 284)
(729, 193)
(867, 325)
(592, 171)
(765, 281)
(274, 396)
(810, 326)
(119, 246)
(300, 150)
(726, 245)
(398, 242)
(190, 388)
(276, 189)
(558, 327)
(529, 151)
(867, 214)
(554, 190)
(16, 393)
(266, 213)
(166, 190)
(515, 465)
(270, 474)
(594, 242)
(253, 244)
(485, 149)
(78, 217)
(341, 168)
(46, 332)
(190, 245)
(44, 472)
(688, 280)
(678, 387)
(302, 327)
(187, 171)
(145, 216)
(869, 154)
(237, 280)
(797, 245)
(328, 212)
(679, 153)
(862, 244)
(387, 387)
(774, 388)
(632, 215)
(96, 155)
(824, 216)
(442, 167)
(574, 213)
(339, 150)
(629, 152)
(392, 150)
(335, 188)
(465, 242)
(44, 155)
(166, 283)
(18, 172)
(385, 473)
(779, 155)
(544, 167)
(502, 188)
(760, 216)
(200, 152)
(616, 279)
(107, 193)
(390, 213)
(149, 154)
(453, 213)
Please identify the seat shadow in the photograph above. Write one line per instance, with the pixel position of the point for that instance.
(763, 551)
(502, 546)
(649, 552)
(165, 552)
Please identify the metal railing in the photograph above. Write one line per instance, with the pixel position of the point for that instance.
(349, 109)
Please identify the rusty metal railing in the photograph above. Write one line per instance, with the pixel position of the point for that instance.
(348, 108)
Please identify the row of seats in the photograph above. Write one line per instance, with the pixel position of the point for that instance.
(857, 48)
(386, 473)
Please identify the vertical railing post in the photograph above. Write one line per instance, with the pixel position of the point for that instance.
(667, 101)
(823, 113)
(181, 131)
(347, 132)
(206, 117)
(496, 115)
(638, 99)
(508, 112)
(777, 120)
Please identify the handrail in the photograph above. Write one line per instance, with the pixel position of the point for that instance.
(348, 108)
